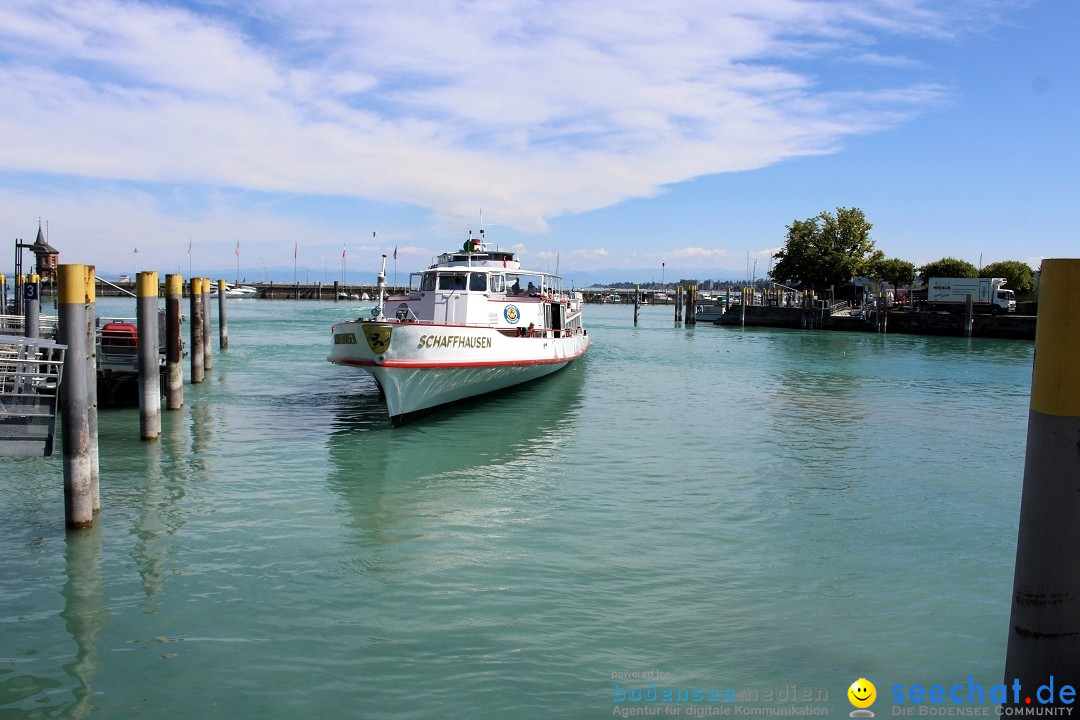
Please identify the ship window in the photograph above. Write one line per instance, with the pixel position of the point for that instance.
(497, 284)
(452, 281)
(478, 282)
(428, 283)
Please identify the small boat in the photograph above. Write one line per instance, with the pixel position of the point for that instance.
(471, 323)
(234, 291)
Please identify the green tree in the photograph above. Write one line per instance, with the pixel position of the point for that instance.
(826, 250)
(1019, 277)
(895, 272)
(948, 267)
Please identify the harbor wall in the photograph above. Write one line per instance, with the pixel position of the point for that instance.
(1017, 327)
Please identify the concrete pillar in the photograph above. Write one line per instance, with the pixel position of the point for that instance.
(1044, 630)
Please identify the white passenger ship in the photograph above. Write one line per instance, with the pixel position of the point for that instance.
(472, 323)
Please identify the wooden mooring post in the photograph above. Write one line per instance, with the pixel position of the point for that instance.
(196, 320)
(969, 315)
(149, 355)
(72, 299)
(174, 370)
(207, 331)
(637, 301)
(1044, 629)
(91, 381)
(32, 306)
(223, 324)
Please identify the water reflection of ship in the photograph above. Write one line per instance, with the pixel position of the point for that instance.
(517, 427)
(503, 439)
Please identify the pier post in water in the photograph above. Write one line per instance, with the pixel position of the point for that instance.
(196, 320)
(32, 306)
(223, 324)
(74, 417)
(1044, 630)
(174, 371)
(691, 305)
(207, 331)
(146, 309)
(637, 300)
(91, 381)
(969, 315)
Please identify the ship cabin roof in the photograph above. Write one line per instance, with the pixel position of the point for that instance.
(475, 253)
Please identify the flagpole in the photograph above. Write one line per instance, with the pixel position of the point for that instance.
(238, 261)
(294, 249)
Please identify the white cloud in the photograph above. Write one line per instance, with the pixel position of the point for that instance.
(536, 108)
(697, 252)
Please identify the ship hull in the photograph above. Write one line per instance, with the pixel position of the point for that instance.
(420, 367)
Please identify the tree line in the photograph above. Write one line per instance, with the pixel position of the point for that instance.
(829, 250)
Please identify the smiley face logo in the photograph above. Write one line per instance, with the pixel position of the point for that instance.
(862, 694)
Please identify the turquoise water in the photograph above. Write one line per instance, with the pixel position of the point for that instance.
(762, 512)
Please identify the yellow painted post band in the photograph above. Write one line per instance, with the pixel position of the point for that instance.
(174, 285)
(91, 283)
(1055, 379)
(146, 284)
(35, 279)
(196, 287)
(221, 287)
(71, 281)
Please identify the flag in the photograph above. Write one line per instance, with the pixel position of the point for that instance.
(295, 245)
(237, 248)
(343, 251)
(395, 252)
(189, 246)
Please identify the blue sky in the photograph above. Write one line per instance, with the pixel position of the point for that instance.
(615, 140)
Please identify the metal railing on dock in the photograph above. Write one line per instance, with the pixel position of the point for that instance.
(12, 324)
(30, 373)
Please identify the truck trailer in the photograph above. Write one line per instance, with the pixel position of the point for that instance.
(987, 294)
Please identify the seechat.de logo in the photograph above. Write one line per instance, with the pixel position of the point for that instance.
(862, 695)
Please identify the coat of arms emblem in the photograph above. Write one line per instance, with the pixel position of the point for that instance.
(378, 337)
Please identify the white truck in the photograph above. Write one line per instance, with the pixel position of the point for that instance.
(987, 294)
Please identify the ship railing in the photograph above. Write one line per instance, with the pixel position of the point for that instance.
(119, 352)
